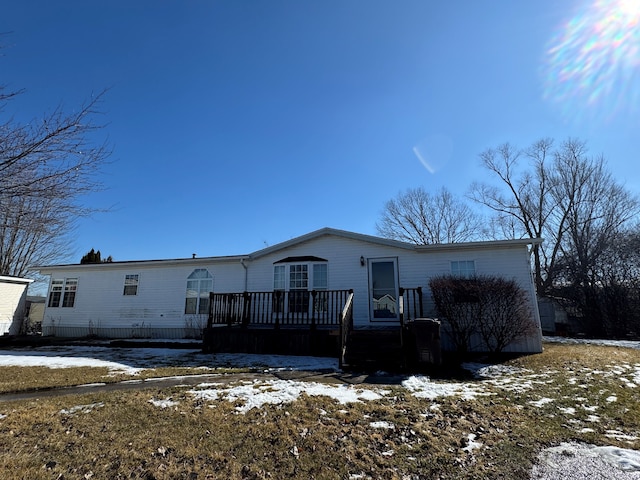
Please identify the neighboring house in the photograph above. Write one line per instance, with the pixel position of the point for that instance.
(290, 282)
(34, 314)
(13, 296)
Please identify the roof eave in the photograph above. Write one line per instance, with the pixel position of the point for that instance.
(481, 244)
(326, 231)
(141, 263)
(8, 279)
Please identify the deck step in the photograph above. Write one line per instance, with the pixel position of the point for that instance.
(374, 350)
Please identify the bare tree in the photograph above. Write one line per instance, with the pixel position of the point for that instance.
(417, 216)
(46, 166)
(557, 193)
(523, 199)
(570, 199)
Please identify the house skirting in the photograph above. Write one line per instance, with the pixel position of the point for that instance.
(141, 330)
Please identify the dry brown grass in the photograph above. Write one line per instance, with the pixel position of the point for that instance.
(21, 379)
(123, 435)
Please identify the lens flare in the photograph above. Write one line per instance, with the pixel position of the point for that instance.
(592, 64)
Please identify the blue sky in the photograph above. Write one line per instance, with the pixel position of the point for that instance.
(240, 124)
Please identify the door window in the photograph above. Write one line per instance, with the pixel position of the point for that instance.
(384, 289)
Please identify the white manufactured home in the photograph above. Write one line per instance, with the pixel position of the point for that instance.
(13, 295)
(301, 282)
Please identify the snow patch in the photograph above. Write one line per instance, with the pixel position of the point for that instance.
(422, 387)
(278, 392)
(381, 424)
(577, 460)
(471, 443)
(166, 403)
(81, 408)
(541, 402)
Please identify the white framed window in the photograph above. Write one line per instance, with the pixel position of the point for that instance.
(63, 292)
(298, 286)
(320, 284)
(320, 277)
(131, 284)
(199, 284)
(279, 277)
(463, 268)
(296, 276)
(298, 279)
(55, 292)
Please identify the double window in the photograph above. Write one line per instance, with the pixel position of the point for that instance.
(63, 292)
(463, 268)
(199, 284)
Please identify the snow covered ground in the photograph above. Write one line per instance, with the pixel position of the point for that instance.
(567, 458)
(133, 360)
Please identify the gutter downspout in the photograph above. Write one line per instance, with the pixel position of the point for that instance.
(246, 268)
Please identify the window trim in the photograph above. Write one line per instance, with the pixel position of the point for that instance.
(201, 306)
(462, 269)
(282, 283)
(64, 290)
(130, 286)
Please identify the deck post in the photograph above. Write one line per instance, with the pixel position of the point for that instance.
(246, 309)
(313, 308)
(228, 309)
(210, 318)
(279, 310)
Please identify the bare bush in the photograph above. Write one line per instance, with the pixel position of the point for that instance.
(494, 309)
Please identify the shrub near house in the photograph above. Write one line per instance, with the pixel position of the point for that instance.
(490, 310)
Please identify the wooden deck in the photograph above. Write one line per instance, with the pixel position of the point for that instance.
(318, 323)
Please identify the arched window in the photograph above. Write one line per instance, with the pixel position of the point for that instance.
(199, 284)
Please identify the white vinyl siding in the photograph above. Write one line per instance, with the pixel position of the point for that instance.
(160, 302)
(13, 294)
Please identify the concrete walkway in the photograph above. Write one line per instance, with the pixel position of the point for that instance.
(192, 380)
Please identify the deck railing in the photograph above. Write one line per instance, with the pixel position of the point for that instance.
(411, 306)
(278, 308)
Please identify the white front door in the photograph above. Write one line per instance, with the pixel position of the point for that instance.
(383, 289)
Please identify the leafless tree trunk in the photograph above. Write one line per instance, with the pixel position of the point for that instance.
(417, 216)
(523, 199)
(46, 166)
